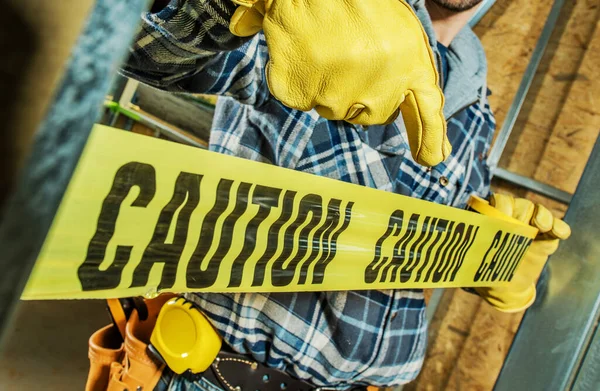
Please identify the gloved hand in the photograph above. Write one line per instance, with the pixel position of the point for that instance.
(356, 60)
(520, 293)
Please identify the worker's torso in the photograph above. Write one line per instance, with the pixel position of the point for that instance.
(343, 338)
(375, 337)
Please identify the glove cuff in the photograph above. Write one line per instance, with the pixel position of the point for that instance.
(509, 301)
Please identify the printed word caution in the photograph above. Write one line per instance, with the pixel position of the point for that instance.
(425, 249)
(301, 241)
(502, 257)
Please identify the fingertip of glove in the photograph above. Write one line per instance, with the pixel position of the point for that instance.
(560, 229)
(523, 210)
(503, 202)
(234, 25)
(246, 21)
(542, 218)
(426, 158)
(446, 149)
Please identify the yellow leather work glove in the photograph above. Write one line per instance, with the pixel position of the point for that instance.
(520, 293)
(361, 61)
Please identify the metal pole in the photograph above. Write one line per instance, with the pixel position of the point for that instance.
(533, 185)
(167, 130)
(515, 107)
(483, 9)
(555, 347)
(59, 142)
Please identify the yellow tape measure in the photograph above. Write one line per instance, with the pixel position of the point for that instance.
(143, 216)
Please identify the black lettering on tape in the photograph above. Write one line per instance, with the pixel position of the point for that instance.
(207, 233)
(449, 253)
(507, 255)
(506, 276)
(522, 251)
(464, 249)
(393, 229)
(399, 254)
(495, 259)
(419, 253)
(438, 254)
(187, 189)
(512, 258)
(128, 176)
(516, 264)
(454, 255)
(273, 239)
(208, 276)
(323, 262)
(484, 264)
(320, 240)
(283, 275)
(439, 229)
(414, 256)
(266, 198)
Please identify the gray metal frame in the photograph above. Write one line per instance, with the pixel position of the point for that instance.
(557, 346)
(124, 98)
(500, 144)
(533, 185)
(515, 109)
(59, 142)
(484, 7)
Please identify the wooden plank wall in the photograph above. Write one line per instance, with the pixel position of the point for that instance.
(553, 138)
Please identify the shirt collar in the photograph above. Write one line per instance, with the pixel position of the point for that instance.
(466, 62)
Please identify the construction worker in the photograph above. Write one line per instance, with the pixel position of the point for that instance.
(315, 86)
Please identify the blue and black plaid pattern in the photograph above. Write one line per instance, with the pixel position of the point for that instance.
(328, 338)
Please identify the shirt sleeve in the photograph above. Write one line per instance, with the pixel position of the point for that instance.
(486, 145)
(187, 47)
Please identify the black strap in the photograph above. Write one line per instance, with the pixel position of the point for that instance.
(236, 372)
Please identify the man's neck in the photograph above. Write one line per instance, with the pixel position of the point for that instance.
(446, 23)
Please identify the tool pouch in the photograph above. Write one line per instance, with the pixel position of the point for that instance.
(125, 366)
(105, 348)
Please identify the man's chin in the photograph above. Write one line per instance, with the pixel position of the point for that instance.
(457, 5)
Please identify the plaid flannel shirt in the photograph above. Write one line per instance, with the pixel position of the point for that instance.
(328, 338)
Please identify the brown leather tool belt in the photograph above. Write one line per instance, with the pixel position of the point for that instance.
(132, 363)
(236, 372)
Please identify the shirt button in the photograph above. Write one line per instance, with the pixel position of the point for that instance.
(444, 181)
(394, 315)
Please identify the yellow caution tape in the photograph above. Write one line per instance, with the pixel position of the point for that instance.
(143, 216)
